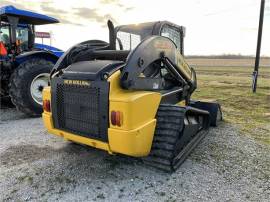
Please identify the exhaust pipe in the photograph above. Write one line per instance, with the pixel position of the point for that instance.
(112, 37)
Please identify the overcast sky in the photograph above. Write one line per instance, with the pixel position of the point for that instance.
(213, 26)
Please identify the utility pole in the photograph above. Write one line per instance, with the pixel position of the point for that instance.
(257, 59)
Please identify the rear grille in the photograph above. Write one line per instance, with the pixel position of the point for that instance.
(79, 110)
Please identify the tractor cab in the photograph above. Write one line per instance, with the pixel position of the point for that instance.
(129, 36)
(17, 29)
(22, 37)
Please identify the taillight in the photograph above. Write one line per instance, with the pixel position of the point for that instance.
(3, 50)
(47, 105)
(116, 118)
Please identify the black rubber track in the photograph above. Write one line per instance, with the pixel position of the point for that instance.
(20, 82)
(164, 153)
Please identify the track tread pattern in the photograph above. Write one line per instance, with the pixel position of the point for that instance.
(170, 121)
(171, 144)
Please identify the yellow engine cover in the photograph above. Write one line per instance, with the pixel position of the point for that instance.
(134, 137)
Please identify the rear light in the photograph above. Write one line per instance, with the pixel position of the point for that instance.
(47, 105)
(116, 118)
(3, 50)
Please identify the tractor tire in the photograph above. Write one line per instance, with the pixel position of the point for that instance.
(5, 102)
(26, 85)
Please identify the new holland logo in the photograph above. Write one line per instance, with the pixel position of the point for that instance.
(77, 82)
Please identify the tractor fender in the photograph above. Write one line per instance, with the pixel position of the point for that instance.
(55, 51)
(36, 54)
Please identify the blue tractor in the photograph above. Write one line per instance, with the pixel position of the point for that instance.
(24, 65)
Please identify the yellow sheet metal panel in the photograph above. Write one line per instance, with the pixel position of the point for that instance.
(135, 142)
(137, 107)
(47, 119)
(87, 141)
(183, 65)
(48, 123)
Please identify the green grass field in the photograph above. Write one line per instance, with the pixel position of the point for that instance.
(231, 86)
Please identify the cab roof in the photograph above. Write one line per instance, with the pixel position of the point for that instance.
(25, 17)
(147, 28)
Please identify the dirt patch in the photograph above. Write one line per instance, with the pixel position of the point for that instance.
(20, 154)
(16, 155)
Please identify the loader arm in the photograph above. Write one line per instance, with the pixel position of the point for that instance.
(157, 53)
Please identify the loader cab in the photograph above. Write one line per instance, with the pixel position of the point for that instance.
(129, 36)
(17, 28)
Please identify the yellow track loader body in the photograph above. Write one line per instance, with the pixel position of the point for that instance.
(135, 135)
(128, 101)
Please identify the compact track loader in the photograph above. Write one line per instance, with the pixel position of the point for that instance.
(130, 96)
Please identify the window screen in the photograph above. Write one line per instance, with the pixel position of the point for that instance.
(128, 40)
(173, 34)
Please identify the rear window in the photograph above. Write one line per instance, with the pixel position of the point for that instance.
(129, 41)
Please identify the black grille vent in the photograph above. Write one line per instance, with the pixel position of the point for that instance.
(80, 110)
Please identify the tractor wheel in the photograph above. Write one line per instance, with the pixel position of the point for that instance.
(27, 83)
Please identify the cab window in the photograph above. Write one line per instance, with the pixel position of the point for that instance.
(127, 41)
(4, 35)
(173, 34)
(22, 35)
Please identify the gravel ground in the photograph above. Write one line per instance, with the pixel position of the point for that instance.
(36, 166)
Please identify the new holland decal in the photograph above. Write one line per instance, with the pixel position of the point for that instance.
(77, 82)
